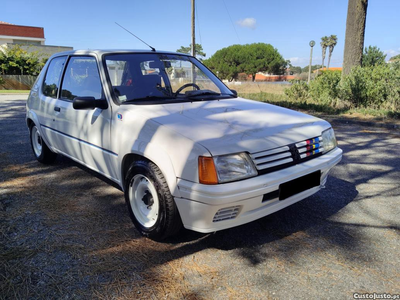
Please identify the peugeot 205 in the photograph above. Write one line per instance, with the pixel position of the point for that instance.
(182, 146)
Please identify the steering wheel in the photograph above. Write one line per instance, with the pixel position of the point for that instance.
(185, 86)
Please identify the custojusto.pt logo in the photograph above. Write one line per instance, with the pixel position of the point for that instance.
(375, 296)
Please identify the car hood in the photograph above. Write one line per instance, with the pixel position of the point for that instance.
(236, 125)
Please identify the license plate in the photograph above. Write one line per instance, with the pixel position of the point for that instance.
(299, 185)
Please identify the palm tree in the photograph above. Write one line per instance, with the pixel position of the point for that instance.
(332, 41)
(324, 44)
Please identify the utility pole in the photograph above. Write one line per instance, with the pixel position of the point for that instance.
(312, 44)
(193, 52)
(193, 30)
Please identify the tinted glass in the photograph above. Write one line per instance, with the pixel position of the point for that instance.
(52, 80)
(81, 79)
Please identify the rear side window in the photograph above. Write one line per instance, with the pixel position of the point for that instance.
(81, 79)
(52, 80)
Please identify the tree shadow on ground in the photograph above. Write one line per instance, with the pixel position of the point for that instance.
(67, 233)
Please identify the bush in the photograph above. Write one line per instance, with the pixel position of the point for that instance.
(373, 87)
(1, 81)
(299, 91)
(325, 88)
(376, 87)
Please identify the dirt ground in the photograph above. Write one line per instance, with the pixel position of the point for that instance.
(65, 233)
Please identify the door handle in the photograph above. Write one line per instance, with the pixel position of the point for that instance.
(57, 108)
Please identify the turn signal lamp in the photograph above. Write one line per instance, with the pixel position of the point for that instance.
(207, 172)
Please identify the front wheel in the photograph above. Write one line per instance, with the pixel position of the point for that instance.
(42, 153)
(150, 203)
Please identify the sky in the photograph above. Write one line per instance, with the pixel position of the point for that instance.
(288, 25)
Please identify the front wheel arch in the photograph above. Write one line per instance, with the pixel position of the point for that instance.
(154, 155)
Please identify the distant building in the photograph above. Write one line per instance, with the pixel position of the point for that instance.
(330, 69)
(394, 59)
(30, 38)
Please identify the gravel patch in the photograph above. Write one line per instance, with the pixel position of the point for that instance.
(65, 233)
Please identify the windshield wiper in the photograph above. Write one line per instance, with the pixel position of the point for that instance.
(207, 95)
(147, 98)
(196, 93)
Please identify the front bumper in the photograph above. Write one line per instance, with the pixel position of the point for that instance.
(199, 203)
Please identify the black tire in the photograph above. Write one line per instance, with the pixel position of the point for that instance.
(42, 153)
(157, 199)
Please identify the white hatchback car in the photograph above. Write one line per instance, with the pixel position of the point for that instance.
(182, 146)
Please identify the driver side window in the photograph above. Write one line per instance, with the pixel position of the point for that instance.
(81, 79)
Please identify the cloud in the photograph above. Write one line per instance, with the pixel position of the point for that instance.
(316, 60)
(391, 52)
(299, 61)
(247, 22)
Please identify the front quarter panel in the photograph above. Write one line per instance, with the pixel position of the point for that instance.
(175, 155)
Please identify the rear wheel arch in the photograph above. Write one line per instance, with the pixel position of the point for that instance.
(29, 122)
(39, 147)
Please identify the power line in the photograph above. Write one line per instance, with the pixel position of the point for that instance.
(231, 20)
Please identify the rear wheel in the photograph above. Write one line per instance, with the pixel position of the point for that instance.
(42, 153)
(150, 203)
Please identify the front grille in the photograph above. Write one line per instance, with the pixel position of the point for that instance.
(282, 157)
(272, 158)
(310, 147)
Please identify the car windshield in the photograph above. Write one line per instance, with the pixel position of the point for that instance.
(153, 78)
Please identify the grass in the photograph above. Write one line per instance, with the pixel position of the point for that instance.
(281, 100)
(275, 94)
(256, 87)
(14, 91)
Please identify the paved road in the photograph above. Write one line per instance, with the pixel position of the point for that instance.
(66, 233)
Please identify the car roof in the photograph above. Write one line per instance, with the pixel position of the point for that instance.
(101, 52)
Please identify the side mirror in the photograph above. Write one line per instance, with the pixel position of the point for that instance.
(89, 103)
(234, 92)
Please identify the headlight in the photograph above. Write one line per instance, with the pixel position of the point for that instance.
(328, 140)
(225, 168)
(234, 167)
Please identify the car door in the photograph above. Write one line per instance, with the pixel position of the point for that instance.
(48, 94)
(84, 135)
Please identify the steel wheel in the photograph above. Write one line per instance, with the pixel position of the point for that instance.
(42, 153)
(151, 206)
(36, 141)
(144, 201)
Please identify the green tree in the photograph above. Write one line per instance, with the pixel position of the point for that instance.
(226, 62)
(199, 50)
(373, 56)
(16, 61)
(355, 32)
(295, 70)
(332, 41)
(313, 68)
(250, 59)
(262, 57)
(324, 45)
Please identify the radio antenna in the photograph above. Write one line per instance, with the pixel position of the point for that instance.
(152, 48)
